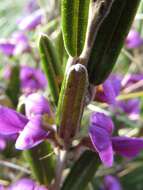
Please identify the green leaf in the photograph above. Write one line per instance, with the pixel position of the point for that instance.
(82, 172)
(42, 170)
(74, 24)
(51, 65)
(59, 43)
(71, 102)
(13, 88)
(110, 39)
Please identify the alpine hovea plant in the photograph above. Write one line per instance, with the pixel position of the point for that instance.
(66, 121)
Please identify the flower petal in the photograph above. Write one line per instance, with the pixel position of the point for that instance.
(11, 122)
(23, 184)
(111, 183)
(131, 108)
(103, 121)
(32, 134)
(128, 147)
(102, 144)
(31, 21)
(133, 39)
(36, 104)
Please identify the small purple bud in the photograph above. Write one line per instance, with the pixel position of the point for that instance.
(133, 39)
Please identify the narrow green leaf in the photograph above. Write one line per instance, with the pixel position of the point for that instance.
(110, 39)
(74, 24)
(13, 88)
(42, 170)
(71, 102)
(51, 65)
(82, 172)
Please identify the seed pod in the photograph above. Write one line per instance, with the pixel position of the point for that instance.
(74, 25)
(110, 39)
(71, 102)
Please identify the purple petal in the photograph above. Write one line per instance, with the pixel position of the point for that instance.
(111, 183)
(102, 144)
(32, 134)
(131, 79)
(109, 90)
(36, 104)
(131, 108)
(32, 79)
(23, 184)
(22, 44)
(128, 147)
(133, 39)
(102, 121)
(31, 21)
(2, 187)
(31, 6)
(26, 184)
(11, 122)
(7, 47)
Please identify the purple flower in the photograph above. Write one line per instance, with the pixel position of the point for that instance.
(32, 134)
(21, 43)
(26, 184)
(133, 39)
(36, 104)
(28, 129)
(31, 6)
(32, 79)
(131, 79)
(108, 91)
(16, 45)
(131, 108)
(111, 183)
(1, 187)
(100, 132)
(31, 21)
(7, 47)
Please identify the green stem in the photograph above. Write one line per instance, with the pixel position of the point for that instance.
(130, 95)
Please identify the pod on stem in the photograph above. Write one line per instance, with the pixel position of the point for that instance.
(71, 102)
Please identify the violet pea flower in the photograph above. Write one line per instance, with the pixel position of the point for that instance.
(16, 45)
(133, 39)
(7, 47)
(131, 108)
(36, 104)
(32, 79)
(100, 133)
(26, 184)
(31, 21)
(21, 43)
(111, 183)
(109, 90)
(131, 79)
(28, 129)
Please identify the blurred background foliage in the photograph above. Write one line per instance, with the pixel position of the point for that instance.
(130, 173)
